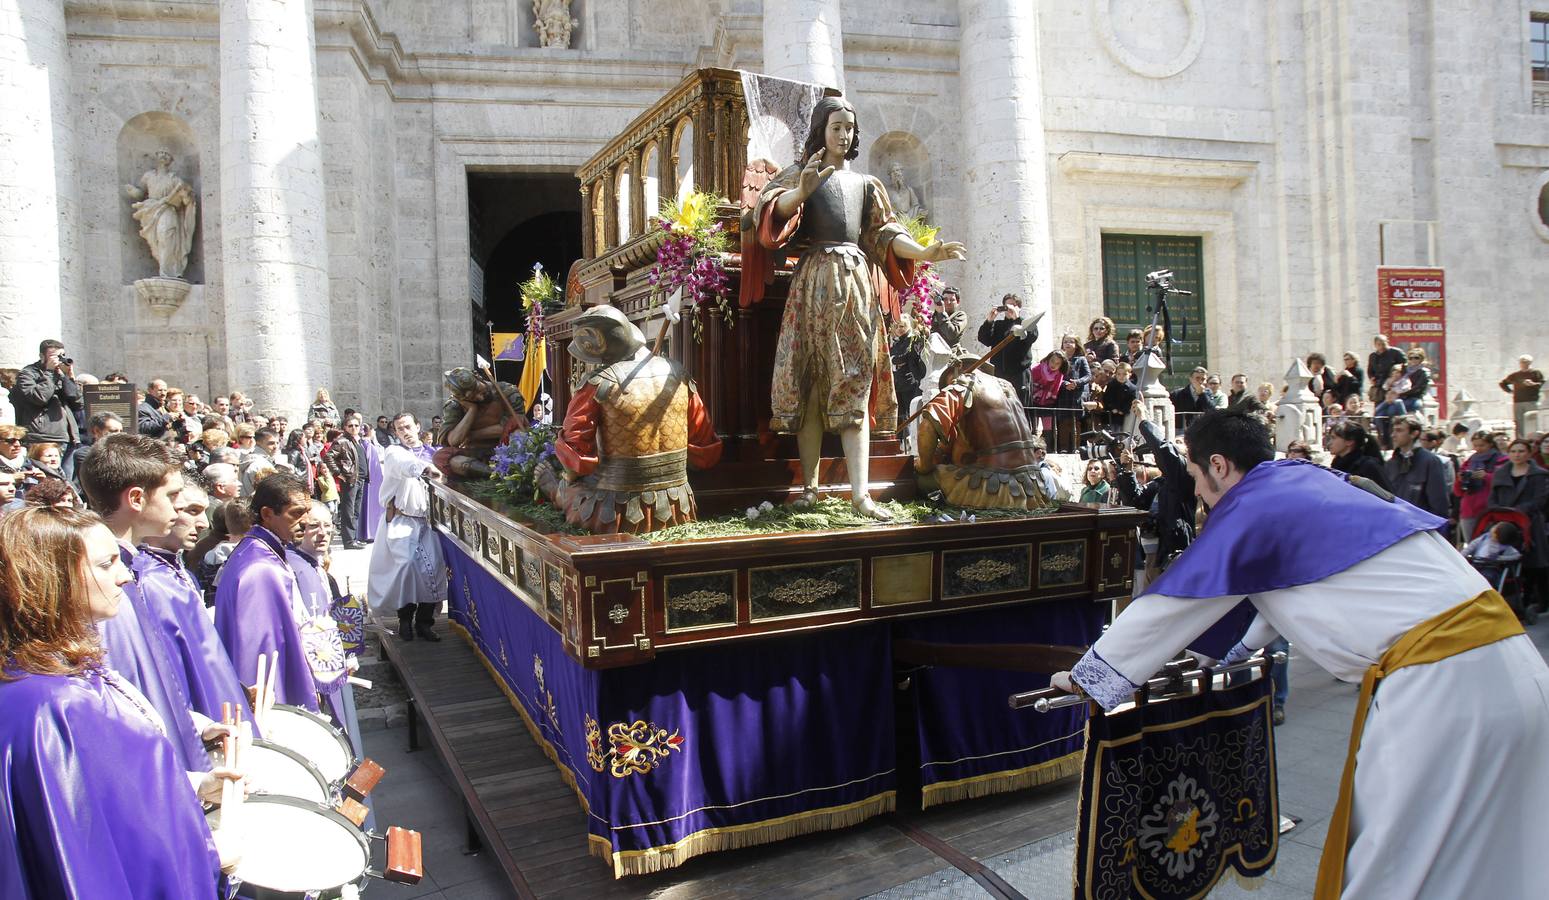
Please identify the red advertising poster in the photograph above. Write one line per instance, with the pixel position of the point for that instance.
(1412, 312)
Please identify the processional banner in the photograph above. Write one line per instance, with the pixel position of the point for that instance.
(1175, 793)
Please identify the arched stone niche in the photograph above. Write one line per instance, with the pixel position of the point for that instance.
(138, 141)
(908, 154)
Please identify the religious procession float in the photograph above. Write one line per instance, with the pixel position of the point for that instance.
(723, 598)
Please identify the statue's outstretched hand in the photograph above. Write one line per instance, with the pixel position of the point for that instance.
(813, 174)
(946, 250)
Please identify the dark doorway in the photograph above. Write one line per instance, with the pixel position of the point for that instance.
(516, 219)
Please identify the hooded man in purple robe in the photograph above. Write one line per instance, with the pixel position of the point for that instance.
(176, 606)
(258, 605)
(371, 504)
(133, 483)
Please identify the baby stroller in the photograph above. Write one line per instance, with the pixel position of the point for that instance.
(1505, 575)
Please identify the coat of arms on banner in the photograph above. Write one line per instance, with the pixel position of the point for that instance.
(1176, 792)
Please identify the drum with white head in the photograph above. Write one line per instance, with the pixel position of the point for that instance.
(295, 849)
(273, 769)
(314, 737)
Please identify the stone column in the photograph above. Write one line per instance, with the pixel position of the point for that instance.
(803, 41)
(39, 253)
(274, 239)
(1005, 167)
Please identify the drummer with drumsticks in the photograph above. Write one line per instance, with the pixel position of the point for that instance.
(260, 612)
(93, 799)
(160, 641)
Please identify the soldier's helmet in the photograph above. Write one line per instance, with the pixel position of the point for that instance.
(462, 381)
(603, 336)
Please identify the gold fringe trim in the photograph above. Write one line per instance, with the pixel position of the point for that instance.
(566, 774)
(1001, 782)
(735, 837)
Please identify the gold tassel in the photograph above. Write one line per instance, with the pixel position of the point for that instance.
(1001, 782)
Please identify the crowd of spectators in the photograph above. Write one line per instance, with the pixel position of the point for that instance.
(226, 445)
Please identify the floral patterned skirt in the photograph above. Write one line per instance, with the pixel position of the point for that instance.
(832, 341)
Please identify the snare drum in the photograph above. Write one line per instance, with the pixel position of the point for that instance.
(273, 769)
(295, 849)
(312, 736)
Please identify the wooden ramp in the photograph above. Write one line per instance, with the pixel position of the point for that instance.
(529, 820)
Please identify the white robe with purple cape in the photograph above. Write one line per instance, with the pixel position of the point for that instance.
(1450, 787)
(407, 567)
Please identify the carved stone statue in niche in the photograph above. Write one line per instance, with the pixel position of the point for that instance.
(165, 207)
(906, 201)
(553, 23)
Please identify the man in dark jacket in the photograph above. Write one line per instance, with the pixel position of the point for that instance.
(1011, 362)
(1415, 473)
(1170, 499)
(349, 463)
(1379, 365)
(150, 420)
(1192, 399)
(47, 397)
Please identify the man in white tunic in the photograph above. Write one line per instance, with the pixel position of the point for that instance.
(408, 572)
(1444, 791)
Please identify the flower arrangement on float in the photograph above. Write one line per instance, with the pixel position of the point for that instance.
(539, 293)
(689, 262)
(517, 460)
(926, 286)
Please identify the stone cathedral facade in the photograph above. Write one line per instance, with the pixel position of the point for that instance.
(370, 176)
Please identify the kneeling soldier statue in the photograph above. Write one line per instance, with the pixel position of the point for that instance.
(630, 434)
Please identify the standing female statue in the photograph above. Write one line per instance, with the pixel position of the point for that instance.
(165, 208)
(832, 369)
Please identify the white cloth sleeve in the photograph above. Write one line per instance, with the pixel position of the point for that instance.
(400, 463)
(1147, 634)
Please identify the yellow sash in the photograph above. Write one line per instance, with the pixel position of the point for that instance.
(1474, 623)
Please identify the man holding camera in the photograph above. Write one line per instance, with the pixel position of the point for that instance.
(1011, 362)
(46, 397)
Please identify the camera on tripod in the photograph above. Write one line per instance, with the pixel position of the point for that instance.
(1161, 279)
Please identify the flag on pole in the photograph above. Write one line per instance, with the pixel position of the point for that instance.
(532, 372)
(509, 345)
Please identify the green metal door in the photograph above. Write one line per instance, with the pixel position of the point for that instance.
(1126, 260)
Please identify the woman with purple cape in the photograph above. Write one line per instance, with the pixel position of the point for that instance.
(93, 802)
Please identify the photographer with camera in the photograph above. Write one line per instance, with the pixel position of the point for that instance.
(1011, 362)
(46, 397)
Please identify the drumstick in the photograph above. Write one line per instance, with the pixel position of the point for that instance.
(258, 690)
(268, 695)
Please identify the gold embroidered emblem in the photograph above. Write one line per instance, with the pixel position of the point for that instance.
(639, 747)
(596, 757)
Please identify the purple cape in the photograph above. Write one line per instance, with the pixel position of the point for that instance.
(371, 504)
(253, 617)
(138, 651)
(93, 802)
(1286, 523)
(176, 606)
